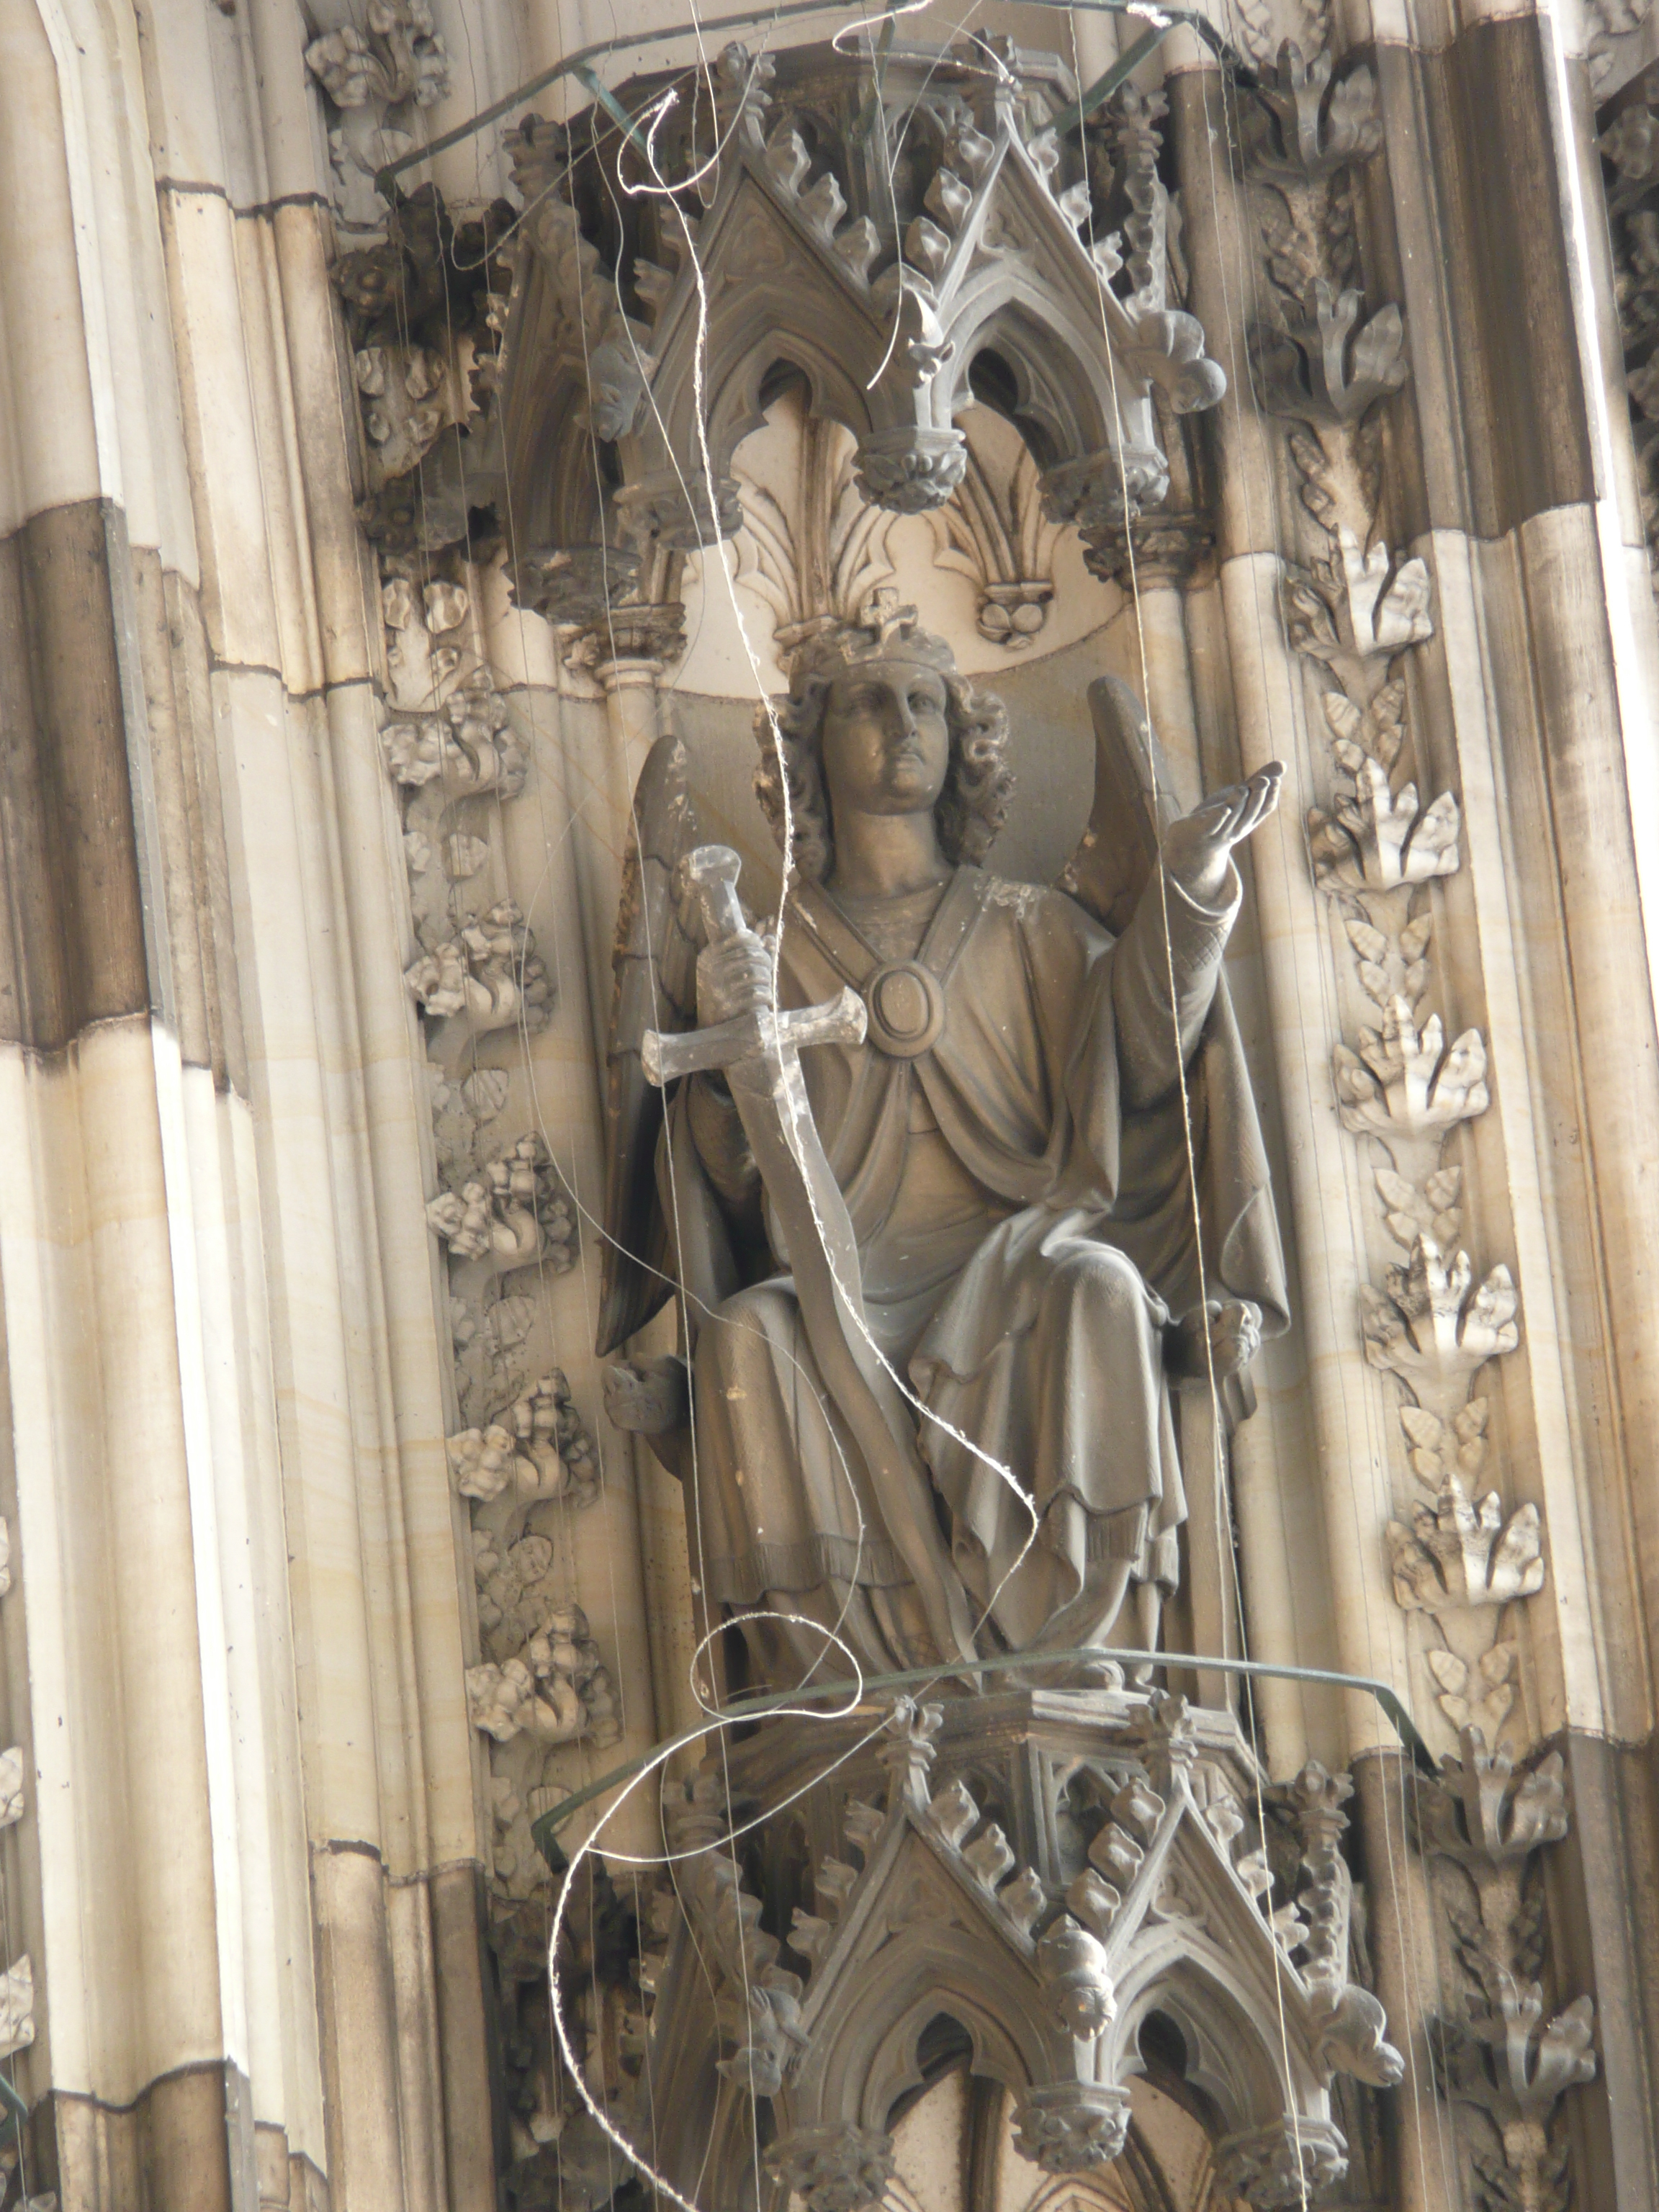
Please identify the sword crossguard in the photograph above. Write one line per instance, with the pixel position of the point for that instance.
(712, 870)
(841, 1020)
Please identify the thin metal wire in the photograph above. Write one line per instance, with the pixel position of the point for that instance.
(911, 1678)
(1163, 20)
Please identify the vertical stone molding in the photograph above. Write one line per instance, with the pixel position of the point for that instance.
(1354, 611)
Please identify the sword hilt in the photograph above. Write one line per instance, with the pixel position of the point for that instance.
(712, 870)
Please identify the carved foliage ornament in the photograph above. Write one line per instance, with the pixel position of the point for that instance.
(1353, 610)
(1629, 146)
(1497, 2049)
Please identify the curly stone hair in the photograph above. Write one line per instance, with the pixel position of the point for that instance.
(978, 783)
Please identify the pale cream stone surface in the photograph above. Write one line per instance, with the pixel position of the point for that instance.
(54, 444)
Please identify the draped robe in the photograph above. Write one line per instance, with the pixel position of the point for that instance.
(1023, 1197)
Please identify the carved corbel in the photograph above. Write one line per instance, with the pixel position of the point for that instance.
(834, 2168)
(1072, 2127)
(1278, 2166)
(1105, 490)
(910, 469)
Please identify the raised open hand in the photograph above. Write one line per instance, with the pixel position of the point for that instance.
(1196, 849)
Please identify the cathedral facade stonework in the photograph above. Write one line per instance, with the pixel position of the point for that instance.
(830, 1060)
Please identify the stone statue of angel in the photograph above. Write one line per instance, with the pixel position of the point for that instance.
(936, 1277)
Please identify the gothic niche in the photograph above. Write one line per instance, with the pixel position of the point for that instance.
(922, 1170)
(965, 250)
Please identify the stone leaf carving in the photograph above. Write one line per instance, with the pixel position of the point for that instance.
(467, 750)
(554, 1687)
(833, 2168)
(1407, 1082)
(992, 532)
(407, 400)
(1459, 1554)
(1516, 2066)
(486, 977)
(511, 1215)
(1360, 610)
(1475, 1694)
(1072, 2127)
(1630, 153)
(1280, 2165)
(1440, 1326)
(12, 1784)
(1380, 839)
(542, 1448)
(396, 63)
(1497, 2049)
(16, 2007)
(1609, 21)
(1312, 129)
(1437, 1327)
(1323, 364)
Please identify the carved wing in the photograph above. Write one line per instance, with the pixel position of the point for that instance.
(654, 960)
(1135, 803)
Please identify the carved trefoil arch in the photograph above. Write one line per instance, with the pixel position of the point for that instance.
(881, 263)
(1044, 1870)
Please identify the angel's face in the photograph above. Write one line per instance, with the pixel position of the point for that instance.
(886, 739)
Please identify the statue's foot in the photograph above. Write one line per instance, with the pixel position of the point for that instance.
(1233, 1327)
(652, 1398)
(648, 1397)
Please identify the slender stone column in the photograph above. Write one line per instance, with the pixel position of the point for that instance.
(1349, 1423)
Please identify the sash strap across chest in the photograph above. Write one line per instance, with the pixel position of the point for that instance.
(905, 999)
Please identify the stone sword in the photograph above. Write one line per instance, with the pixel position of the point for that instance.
(759, 1055)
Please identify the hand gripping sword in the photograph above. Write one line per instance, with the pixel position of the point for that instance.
(759, 1055)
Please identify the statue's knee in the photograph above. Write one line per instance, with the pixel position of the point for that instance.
(1106, 1285)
